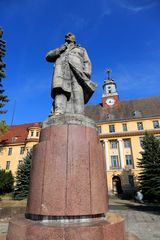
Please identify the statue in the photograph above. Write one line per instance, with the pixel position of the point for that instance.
(71, 84)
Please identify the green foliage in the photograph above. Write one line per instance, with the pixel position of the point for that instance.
(3, 127)
(3, 98)
(6, 181)
(22, 178)
(149, 164)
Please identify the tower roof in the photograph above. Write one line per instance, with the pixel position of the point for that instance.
(109, 80)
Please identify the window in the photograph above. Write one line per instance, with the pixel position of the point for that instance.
(124, 126)
(37, 134)
(7, 165)
(137, 114)
(128, 159)
(141, 141)
(156, 124)
(127, 143)
(140, 125)
(28, 149)
(113, 143)
(14, 139)
(9, 151)
(99, 129)
(1, 150)
(22, 149)
(20, 162)
(111, 128)
(32, 133)
(114, 161)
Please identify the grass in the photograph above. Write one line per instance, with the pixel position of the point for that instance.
(5, 196)
(7, 201)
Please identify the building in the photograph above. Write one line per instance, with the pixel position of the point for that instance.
(122, 125)
(15, 144)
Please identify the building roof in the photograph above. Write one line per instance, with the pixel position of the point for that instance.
(17, 133)
(127, 110)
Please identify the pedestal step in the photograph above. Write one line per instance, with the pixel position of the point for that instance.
(112, 228)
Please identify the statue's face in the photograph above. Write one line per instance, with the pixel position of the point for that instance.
(69, 37)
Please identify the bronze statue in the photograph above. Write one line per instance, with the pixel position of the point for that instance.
(71, 84)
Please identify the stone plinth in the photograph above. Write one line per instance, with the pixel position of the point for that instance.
(68, 172)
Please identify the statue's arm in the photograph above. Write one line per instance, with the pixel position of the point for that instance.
(87, 64)
(52, 55)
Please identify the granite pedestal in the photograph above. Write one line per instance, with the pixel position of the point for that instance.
(68, 192)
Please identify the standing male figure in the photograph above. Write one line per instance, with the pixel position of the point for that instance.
(71, 84)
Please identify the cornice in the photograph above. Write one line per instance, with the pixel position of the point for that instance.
(131, 133)
(127, 120)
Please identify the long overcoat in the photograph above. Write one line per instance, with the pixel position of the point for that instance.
(75, 62)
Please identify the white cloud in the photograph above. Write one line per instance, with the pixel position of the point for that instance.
(137, 6)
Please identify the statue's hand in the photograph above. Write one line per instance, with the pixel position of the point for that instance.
(63, 48)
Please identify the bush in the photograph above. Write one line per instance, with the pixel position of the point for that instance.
(6, 181)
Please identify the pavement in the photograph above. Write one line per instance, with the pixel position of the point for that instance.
(142, 220)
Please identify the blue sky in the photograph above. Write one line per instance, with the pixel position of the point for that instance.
(121, 34)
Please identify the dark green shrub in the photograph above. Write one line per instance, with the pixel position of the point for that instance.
(6, 181)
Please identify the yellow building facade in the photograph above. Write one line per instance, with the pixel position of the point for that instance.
(122, 150)
(122, 125)
(15, 144)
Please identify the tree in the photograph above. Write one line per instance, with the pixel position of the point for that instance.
(23, 178)
(3, 97)
(6, 181)
(3, 127)
(149, 177)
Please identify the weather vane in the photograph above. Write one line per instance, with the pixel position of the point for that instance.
(108, 71)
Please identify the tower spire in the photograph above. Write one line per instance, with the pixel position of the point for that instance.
(108, 71)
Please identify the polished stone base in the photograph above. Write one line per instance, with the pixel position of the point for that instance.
(111, 228)
(68, 173)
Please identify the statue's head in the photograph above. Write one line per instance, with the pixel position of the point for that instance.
(70, 37)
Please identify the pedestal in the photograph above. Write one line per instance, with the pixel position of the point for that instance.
(68, 190)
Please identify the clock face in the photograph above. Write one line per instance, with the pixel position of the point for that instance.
(110, 101)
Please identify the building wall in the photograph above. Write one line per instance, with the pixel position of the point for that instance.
(125, 170)
(10, 159)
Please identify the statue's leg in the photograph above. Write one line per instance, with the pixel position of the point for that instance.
(60, 103)
(70, 107)
(78, 98)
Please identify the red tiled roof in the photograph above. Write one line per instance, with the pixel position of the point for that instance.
(17, 133)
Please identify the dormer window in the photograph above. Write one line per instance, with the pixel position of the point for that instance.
(14, 139)
(32, 133)
(137, 114)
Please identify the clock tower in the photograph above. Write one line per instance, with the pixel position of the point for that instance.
(110, 96)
